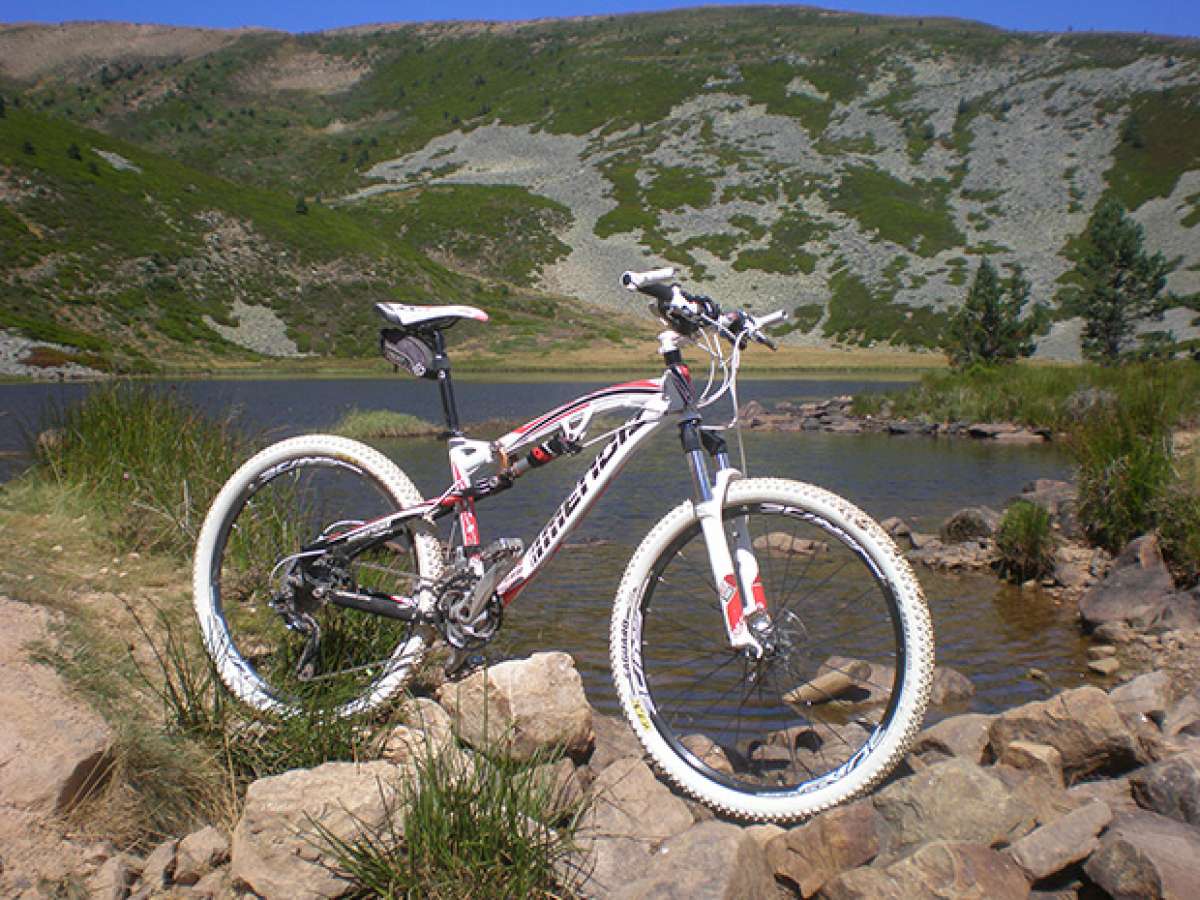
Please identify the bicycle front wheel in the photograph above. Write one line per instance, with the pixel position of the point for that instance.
(276, 504)
(840, 690)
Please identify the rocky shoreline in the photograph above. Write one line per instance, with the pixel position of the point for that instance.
(835, 416)
(1086, 793)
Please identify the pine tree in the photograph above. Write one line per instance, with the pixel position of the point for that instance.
(1121, 283)
(989, 329)
(301, 206)
(3, 108)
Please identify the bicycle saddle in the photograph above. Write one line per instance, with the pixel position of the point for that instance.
(407, 316)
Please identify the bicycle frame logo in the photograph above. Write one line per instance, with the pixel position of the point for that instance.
(585, 493)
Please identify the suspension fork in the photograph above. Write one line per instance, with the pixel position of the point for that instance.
(743, 601)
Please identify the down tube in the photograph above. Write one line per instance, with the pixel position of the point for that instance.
(583, 496)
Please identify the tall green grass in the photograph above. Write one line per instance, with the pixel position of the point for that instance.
(149, 460)
(368, 424)
(1038, 396)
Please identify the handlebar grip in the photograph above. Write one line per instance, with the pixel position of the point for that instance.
(633, 281)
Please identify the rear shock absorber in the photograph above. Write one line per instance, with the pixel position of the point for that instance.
(545, 452)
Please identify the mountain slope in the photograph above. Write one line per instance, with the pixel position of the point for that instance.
(852, 168)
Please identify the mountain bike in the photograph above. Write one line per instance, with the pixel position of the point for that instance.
(770, 647)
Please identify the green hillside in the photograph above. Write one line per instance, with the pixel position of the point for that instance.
(853, 169)
(126, 255)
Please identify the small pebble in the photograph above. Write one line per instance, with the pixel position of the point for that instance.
(1100, 651)
(1107, 666)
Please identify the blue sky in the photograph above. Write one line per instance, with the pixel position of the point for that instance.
(1178, 17)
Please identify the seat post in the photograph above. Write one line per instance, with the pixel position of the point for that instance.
(441, 365)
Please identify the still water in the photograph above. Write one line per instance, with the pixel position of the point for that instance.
(994, 634)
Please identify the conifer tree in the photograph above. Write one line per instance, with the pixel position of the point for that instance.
(1121, 283)
(990, 329)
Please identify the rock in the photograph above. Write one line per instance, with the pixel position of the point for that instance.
(1145, 695)
(969, 524)
(562, 783)
(750, 412)
(199, 853)
(895, 526)
(1101, 651)
(113, 879)
(811, 854)
(426, 715)
(632, 812)
(1147, 856)
(54, 749)
(779, 543)
(1117, 631)
(710, 861)
(834, 678)
(1113, 791)
(949, 685)
(1082, 724)
(1171, 788)
(1134, 591)
(1020, 436)
(921, 541)
(277, 850)
(989, 430)
(1038, 759)
(614, 740)
(1105, 667)
(1073, 567)
(1053, 847)
(705, 750)
(952, 801)
(522, 707)
(213, 886)
(965, 736)
(948, 869)
(158, 869)
(1183, 717)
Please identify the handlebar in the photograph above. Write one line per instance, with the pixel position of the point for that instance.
(687, 313)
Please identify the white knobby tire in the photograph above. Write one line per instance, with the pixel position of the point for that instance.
(844, 605)
(257, 519)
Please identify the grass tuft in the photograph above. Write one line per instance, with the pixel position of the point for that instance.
(368, 424)
(466, 826)
(1026, 542)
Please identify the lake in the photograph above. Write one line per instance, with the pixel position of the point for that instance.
(991, 632)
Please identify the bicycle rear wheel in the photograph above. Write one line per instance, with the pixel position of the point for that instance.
(840, 692)
(273, 506)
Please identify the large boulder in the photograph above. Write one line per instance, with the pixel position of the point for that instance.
(811, 854)
(952, 801)
(710, 861)
(278, 850)
(521, 708)
(1171, 788)
(1134, 591)
(1054, 847)
(632, 813)
(963, 871)
(1147, 856)
(1082, 724)
(614, 740)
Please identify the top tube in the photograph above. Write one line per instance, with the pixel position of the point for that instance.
(634, 395)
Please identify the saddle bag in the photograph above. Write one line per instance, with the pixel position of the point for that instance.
(407, 351)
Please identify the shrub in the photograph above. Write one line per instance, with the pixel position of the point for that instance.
(1125, 463)
(1178, 514)
(1026, 542)
(366, 424)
